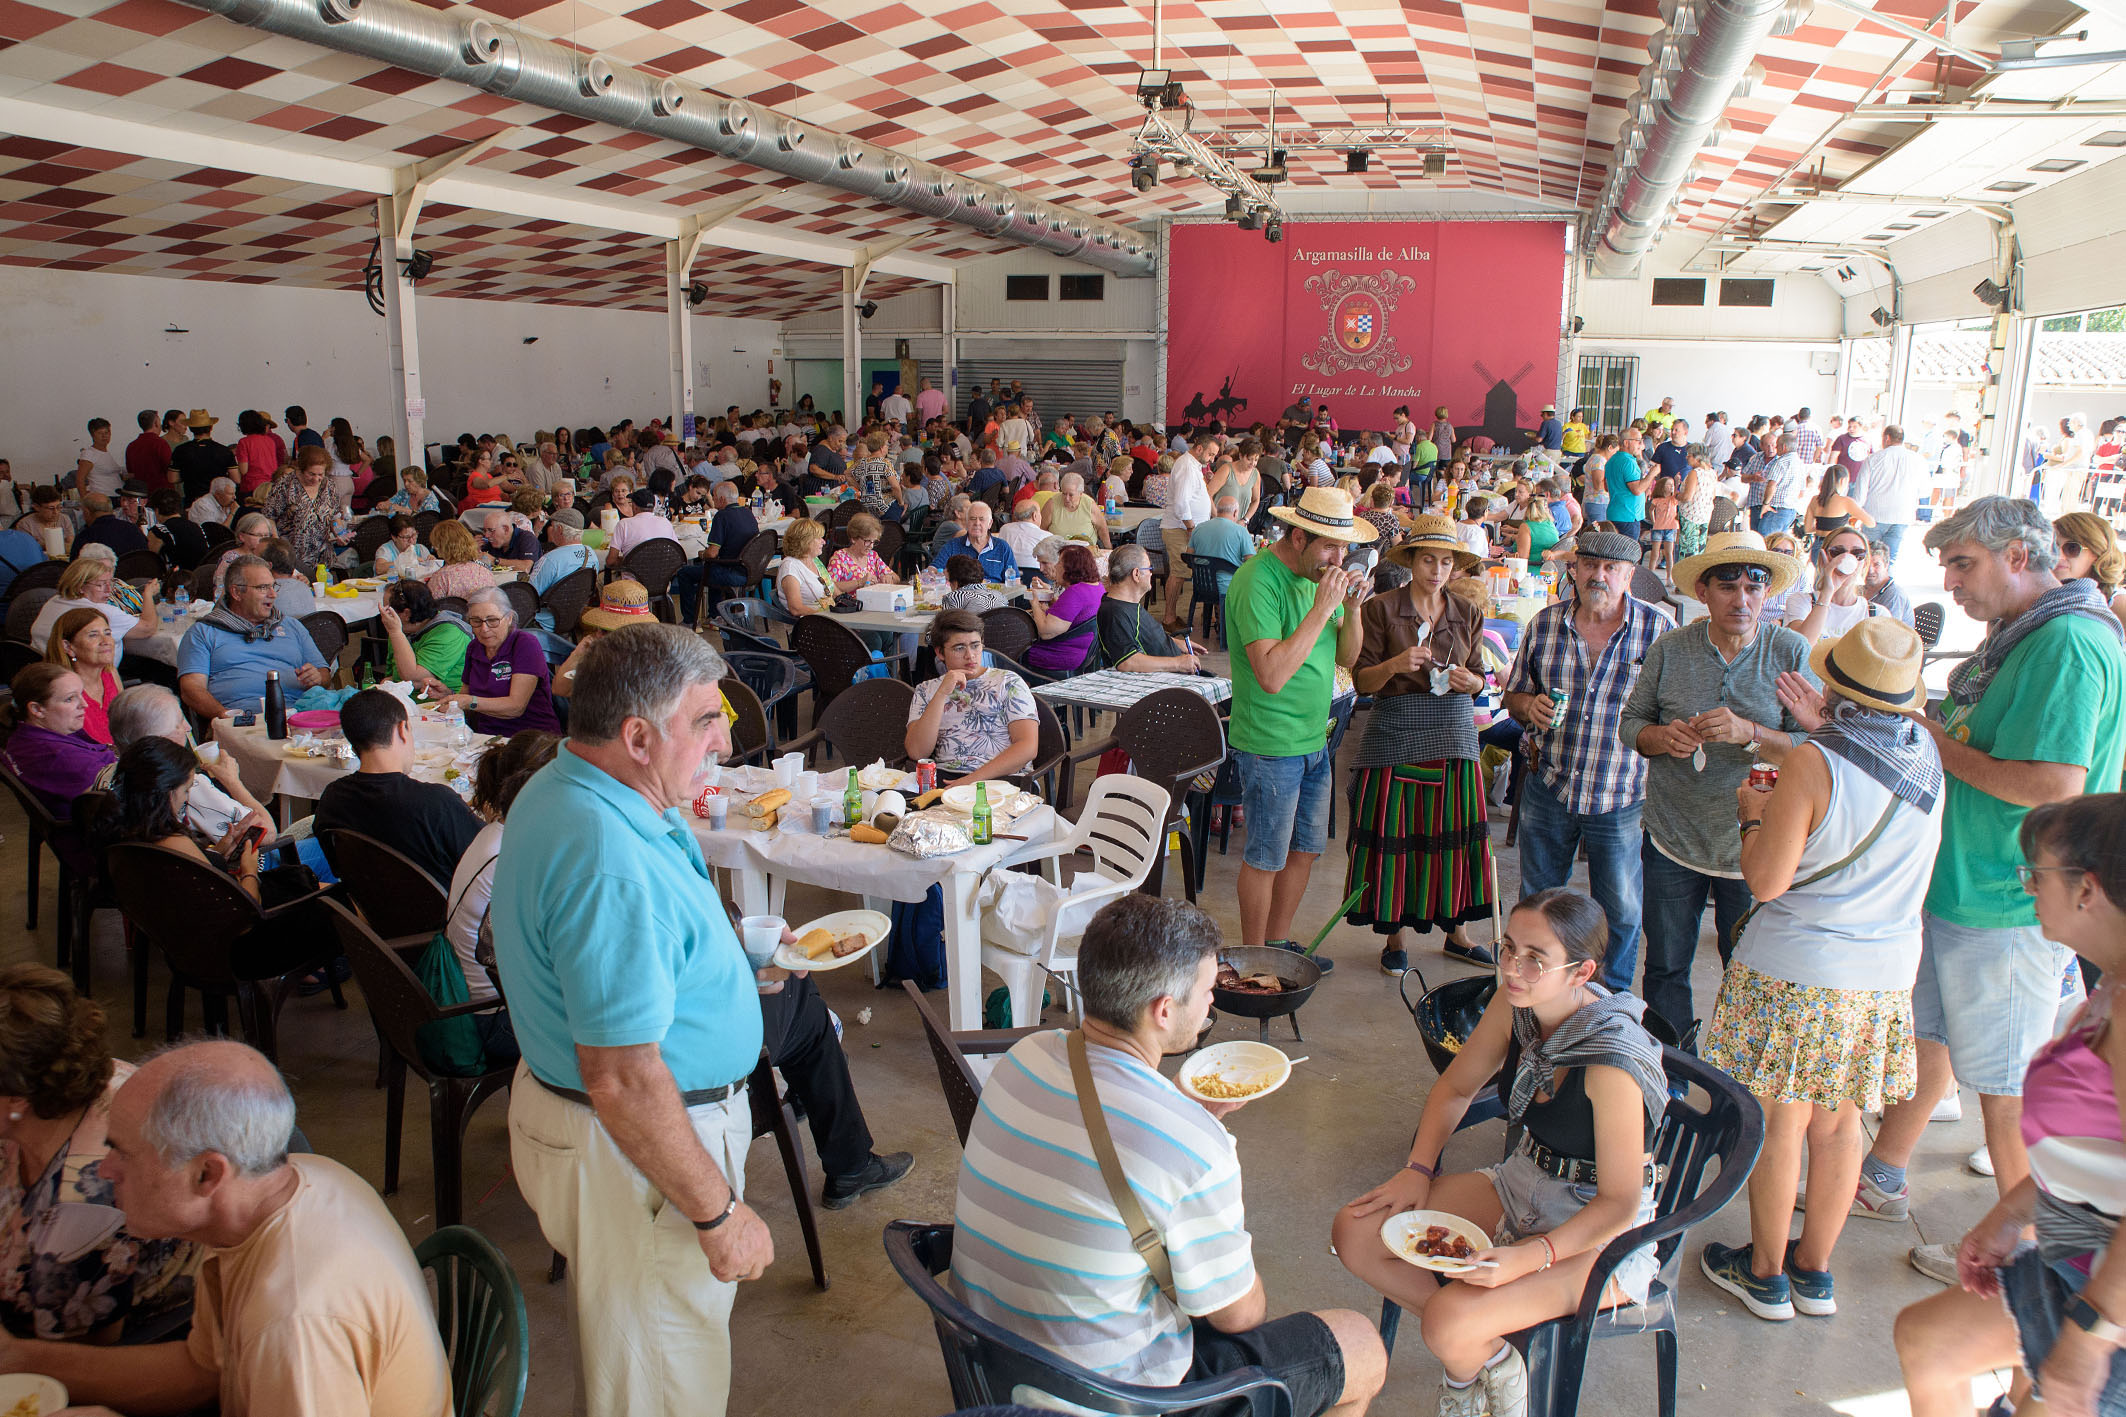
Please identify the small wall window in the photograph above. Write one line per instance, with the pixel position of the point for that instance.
(1026, 287)
(1092, 287)
(1674, 290)
(1755, 294)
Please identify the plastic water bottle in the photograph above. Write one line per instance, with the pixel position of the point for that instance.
(181, 603)
(1110, 506)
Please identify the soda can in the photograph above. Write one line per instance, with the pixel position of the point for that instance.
(1763, 776)
(1558, 700)
(926, 776)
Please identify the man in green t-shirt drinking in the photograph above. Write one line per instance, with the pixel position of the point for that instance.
(1277, 612)
(2036, 715)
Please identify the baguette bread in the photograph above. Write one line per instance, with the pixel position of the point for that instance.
(816, 944)
(768, 802)
(761, 824)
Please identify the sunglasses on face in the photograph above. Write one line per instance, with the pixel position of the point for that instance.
(1729, 575)
(2070, 548)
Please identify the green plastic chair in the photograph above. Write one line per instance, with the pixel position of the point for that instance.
(480, 1310)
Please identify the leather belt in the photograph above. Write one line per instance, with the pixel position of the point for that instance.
(699, 1097)
(1576, 1170)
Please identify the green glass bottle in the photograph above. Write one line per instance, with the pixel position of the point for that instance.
(853, 802)
(980, 823)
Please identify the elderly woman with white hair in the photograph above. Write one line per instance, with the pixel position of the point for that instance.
(1073, 516)
(509, 686)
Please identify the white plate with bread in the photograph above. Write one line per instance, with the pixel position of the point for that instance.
(819, 940)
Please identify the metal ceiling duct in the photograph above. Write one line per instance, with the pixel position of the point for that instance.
(1714, 61)
(486, 55)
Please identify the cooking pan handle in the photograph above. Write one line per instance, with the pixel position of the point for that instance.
(1402, 988)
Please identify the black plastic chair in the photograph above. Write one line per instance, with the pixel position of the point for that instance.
(1009, 630)
(985, 1362)
(399, 900)
(751, 738)
(426, 522)
(23, 608)
(329, 633)
(751, 559)
(1728, 1129)
(523, 601)
(1207, 597)
(218, 534)
(370, 534)
(44, 830)
(42, 576)
(218, 940)
(454, 603)
(776, 680)
(950, 1051)
(567, 599)
(867, 722)
(141, 566)
(835, 656)
(654, 563)
(14, 658)
(480, 1311)
(399, 1006)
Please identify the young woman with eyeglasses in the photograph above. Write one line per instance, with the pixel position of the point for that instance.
(2065, 1295)
(1585, 1083)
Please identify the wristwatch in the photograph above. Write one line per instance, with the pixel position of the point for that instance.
(2093, 1323)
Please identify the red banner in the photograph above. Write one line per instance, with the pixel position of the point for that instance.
(1364, 316)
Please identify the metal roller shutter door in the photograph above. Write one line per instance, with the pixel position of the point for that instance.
(1074, 386)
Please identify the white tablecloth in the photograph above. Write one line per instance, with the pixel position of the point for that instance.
(696, 538)
(763, 863)
(1117, 689)
(267, 768)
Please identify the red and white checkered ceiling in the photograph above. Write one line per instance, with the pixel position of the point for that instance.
(1033, 94)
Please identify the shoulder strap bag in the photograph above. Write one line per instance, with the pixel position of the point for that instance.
(1142, 1237)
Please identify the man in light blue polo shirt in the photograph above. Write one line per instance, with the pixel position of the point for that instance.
(640, 1020)
(223, 660)
(998, 560)
(1224, 537)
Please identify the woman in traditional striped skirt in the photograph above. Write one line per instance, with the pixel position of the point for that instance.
(1417, 837)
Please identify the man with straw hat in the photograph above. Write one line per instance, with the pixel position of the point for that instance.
(1586, 787)
(1705, 708)
(1420, 852)
(1284, 675)
(200, 461)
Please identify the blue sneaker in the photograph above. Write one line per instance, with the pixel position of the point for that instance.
(1814, 1293)
(1327, 965)
(1728, 1266)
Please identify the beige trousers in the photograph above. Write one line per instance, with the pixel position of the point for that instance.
(652, 1324)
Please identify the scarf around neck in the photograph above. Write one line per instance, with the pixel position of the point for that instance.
(223, 618)
(1607, 1032)
(1888, 747)
(1968, 681)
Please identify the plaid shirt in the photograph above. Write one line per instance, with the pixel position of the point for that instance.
(1808, 441)
(1583, 761)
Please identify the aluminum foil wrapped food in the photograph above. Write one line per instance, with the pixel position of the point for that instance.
(925, 834)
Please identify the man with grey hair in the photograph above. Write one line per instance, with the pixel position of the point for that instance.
(640, 1019)
(1025, 531)
(309, 1299)
(223, 660)
(217, 504)
(543, 471)
(1223, 537)
(1165, 1291)
(1131, 637)
(2037, 714)
(1785, 487)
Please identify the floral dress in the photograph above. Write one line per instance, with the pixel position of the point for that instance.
(846, 565)
(976, 725)
(305, 522)
(67, 1265)
(871, 477)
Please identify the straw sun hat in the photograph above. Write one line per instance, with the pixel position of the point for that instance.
(1430, 533)
(1875, 663)
(620, 603)
(1735, 548)
(1326, 511)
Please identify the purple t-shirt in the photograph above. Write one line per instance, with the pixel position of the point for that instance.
(490, 678)
(1080, 604)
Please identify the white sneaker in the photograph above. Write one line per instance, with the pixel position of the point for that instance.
(1949, 1109)
(1936, 1262)
(1470, 1401)
(1981, 1161)
(1872, 1202)
(1505, 1385)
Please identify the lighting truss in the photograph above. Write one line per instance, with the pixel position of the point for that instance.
(1170, 140)
(1309, 139)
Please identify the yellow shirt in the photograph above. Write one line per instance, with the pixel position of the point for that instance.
(1575, 437)
(1655, 418)
(322, 1311)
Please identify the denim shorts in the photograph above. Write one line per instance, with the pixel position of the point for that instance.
(1596, 508)
(1534, 1202)
(1662, 534)
(1992, 996)
(1287, 802)
(2037, 1295)
(1299, 1350)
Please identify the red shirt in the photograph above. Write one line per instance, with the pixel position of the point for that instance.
(147, 460)
(97, 712)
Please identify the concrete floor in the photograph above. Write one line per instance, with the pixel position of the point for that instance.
(1345, 1120)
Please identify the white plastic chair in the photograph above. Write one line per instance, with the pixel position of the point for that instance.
(1122, 828)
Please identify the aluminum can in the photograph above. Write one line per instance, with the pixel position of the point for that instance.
(1763, 775)
(926, 776)
(1559, 700)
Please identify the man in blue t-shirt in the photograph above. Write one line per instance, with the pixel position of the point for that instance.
(998, 560)
(18, 552)
(1628, 481)
(223, 660)
(1669, 453)
(1551, 433)
(1224, 537)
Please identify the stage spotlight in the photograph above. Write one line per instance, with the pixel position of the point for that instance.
(1357, 160)
(1250, 220)
(418, 265)
(1144, 171)
(1274, 232)
(1435, 164)
(697, 293)
(867, 309)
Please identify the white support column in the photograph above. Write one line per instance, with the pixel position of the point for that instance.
(2011, 402)
(1900, 375)
(679, 331)
(409, 410)
(948, 328)
(852, 349)
(1842, 388)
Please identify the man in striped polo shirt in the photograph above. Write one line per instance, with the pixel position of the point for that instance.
(1041, 1249)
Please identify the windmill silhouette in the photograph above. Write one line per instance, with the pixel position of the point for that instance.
(1502, 410)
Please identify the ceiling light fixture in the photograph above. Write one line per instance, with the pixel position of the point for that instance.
(1357, 160)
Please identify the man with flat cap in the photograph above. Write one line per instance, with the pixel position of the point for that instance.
(1584, 786)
